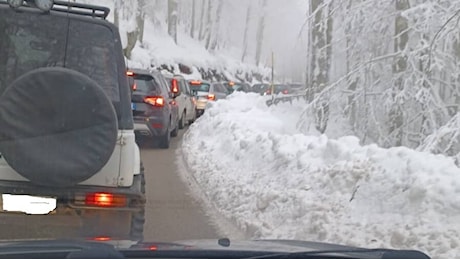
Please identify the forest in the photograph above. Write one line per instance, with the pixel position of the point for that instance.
(390, 68)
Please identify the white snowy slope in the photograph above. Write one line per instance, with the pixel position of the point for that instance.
(159, 49)
(273, 181)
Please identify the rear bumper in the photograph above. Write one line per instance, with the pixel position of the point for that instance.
(150, 126)
(69, 197)
(71, 219)
(201, 104)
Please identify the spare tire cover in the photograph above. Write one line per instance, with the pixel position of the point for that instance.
(57, 127)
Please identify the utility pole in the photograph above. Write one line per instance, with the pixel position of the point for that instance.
(273, 75)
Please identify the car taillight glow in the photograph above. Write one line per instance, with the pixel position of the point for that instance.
(195, 82)
(175, 87)
(285, 91)
(129, 73)
(101, 238)
(104, 199)
(211, 97)
(134, 87)
(155, 101)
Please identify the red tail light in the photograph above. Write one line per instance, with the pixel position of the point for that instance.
(155, 101)
(211, 97)
(134, 87)
(175, 86)
(101, 239)
(129, 73)
(104, 199)
(195, 82)
(285, 91)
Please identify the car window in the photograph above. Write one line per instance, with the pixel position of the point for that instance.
(164, 85)
(187, 88)
(202, 87)
(219, 88)
(260, 87)
(31, 42)
(144, 85)
(182, 86)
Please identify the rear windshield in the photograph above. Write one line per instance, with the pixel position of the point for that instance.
(203, 87)
(30, 40)
(260, 86)
(280, 87)
(296, 86)
(146, 85)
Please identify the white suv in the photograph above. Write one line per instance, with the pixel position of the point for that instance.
(69, 164)
(184, 99)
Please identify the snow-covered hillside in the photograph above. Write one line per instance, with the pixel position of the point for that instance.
(159, 49)
(274, 181)
(231, 40)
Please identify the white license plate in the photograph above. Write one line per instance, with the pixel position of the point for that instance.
(28, 204)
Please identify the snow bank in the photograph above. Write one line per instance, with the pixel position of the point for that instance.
(273, 181)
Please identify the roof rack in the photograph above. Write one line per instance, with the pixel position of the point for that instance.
(81, 9)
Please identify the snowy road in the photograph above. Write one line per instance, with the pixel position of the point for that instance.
(171, 213)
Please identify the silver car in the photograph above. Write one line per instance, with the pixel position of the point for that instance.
(206, 91)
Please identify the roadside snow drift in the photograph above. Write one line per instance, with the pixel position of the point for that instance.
(254, 166)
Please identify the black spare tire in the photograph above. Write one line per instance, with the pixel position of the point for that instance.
(57, 127)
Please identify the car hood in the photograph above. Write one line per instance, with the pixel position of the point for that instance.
(269, 247)
(261, 245)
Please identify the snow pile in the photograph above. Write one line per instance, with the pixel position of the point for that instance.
(261, 172)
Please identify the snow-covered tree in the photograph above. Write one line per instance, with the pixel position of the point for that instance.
(172, 19)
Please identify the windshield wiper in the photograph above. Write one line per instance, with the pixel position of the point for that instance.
(351, 253)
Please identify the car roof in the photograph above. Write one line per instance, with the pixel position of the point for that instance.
(202, 81)
(174, 76)
(140, 71)
(97, 18)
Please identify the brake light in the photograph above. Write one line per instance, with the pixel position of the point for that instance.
(129, 73)
(175, 87)
(153, 248)
(285, 91)
(155, 101)
(101, 239)
(134, 87)
(195, 82)
(211, 97)
(104, 199)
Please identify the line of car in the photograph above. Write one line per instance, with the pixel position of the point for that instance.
(163, 104)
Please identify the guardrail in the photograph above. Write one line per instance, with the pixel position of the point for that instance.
(276, 99)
